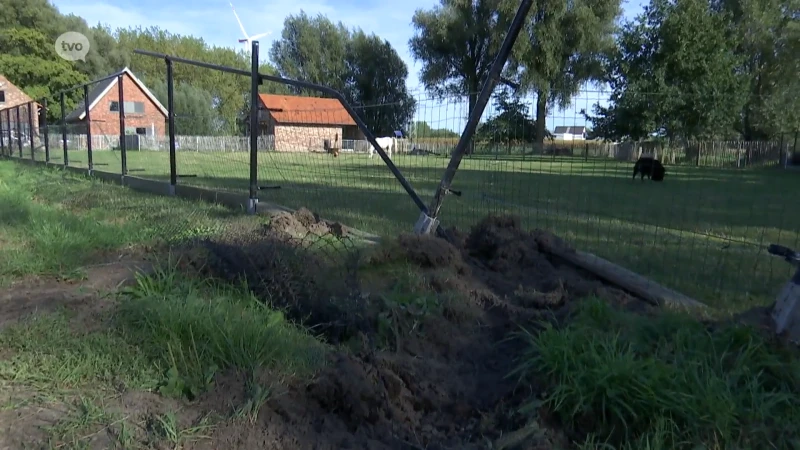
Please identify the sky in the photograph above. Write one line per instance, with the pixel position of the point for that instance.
(214, 21)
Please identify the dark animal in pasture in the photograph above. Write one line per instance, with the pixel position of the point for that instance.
(332, 149)
(647, 165)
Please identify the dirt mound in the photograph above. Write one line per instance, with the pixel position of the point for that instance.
(302, 222)
(431, 351)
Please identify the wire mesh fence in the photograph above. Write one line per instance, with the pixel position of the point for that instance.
(702, 231)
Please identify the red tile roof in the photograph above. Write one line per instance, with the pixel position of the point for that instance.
(291, 109)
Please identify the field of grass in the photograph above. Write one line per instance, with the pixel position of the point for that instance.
(69, 357)
(176, 361)
(703, 231)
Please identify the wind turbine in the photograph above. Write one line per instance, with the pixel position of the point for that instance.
(248, 40)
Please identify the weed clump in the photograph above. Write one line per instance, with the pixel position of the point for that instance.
(194, 330)
(665, 381)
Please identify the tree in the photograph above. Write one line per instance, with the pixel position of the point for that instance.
(312, 50)
(229, 93)
(512, 123)
(421, 130)
(768, 47)
(673, 75)
(28, 59)
(562, 47)
(377, 80)
(194, 108)
(457, 41)
(365, 69)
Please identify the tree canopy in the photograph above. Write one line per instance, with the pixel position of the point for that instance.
(457, 41)
(561, 49)
(422, 130)
(511, 123)
(364, 68)
(694, 69)
(684, 69)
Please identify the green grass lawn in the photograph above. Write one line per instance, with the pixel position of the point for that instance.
(53, 222)
(703, 231)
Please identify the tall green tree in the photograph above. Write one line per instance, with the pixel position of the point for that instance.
(457, 41)
(312, 49)
(377, 80)
(511, 123)
(561, 49)
(194, 108)
(768, 47)
(364, 68)
(28, 59)
(673, 74)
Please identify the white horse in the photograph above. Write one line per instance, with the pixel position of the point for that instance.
(386, 143)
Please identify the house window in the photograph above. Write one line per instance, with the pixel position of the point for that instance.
(130, 107)
(2, 96)
(142, 131)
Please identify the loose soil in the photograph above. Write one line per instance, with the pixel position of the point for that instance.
(27, 413)
(443, 385)
(426, 370)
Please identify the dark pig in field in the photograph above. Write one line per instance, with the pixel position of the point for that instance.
(647, 165)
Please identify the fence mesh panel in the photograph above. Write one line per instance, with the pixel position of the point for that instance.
(702, 231)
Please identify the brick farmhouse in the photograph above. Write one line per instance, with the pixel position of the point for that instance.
(11, 97)
(304, 123)
(144, 114)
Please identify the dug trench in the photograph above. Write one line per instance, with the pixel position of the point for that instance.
(423, 331)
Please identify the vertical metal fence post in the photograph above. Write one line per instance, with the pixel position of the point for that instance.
(2, 135)
(45, 132)
(19, 131)
(7, 128)
(30, 128)
(64, 131)
(122, 144)
(173, 165)
(88, 119)
(255, 80)
(10, 133)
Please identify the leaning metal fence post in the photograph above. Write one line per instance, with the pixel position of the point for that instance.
(255, 80)
(88, 119)
(173, 164)
(429, 222)
(64, 131)
(123, 154)
(45, 133)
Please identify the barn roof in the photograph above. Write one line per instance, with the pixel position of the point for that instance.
(102, 88)
(292, 109)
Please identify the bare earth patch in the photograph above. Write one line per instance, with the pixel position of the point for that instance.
(425, 352)
(82, 295)
(433, 380)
